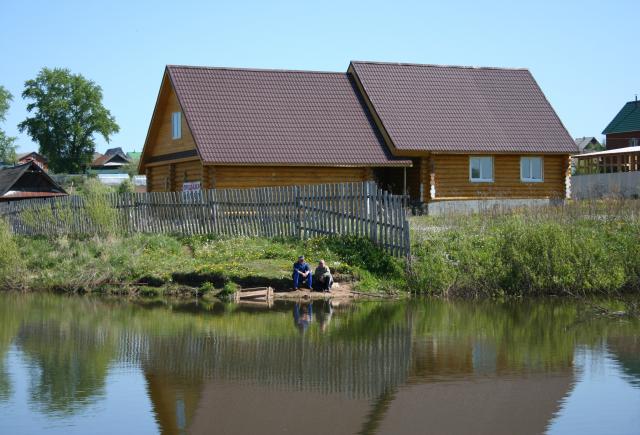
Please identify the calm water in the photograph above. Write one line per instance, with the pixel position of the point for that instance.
(93, 366)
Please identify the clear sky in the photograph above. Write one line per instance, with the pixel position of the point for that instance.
(584, 54)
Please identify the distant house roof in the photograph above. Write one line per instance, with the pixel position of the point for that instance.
(112, 157)
(247, 116)
(588, 142)
(27, 180)
(33, 154)
(627, 119)
(625, 150)
(462, 109)
(134, 155)
(114, 151)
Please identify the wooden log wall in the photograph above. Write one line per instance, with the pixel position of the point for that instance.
(360, 209)
(452, 178)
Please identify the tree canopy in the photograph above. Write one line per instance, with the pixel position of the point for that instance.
(67, 114)
(7, 143)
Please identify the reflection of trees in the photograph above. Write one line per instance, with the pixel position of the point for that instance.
(367, 350)
(626, 350)
(11, 314)
(70, 364)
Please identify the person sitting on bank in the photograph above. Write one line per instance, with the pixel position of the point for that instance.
(301, 271)
(322, 279)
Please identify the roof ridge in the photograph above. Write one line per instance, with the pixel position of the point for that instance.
(616, 122)
(433, 65)
(274, 70)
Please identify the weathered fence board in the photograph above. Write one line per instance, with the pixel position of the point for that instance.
(359, 209)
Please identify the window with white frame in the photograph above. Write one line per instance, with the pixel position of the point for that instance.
(481, 169)
(176, 125)
(531, 169)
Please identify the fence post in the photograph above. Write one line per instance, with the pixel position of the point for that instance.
(298, 201)
(372, 210)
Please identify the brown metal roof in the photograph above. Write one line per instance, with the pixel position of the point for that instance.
(245, 116)
(10, 178)
(17, 194)
(462, 109)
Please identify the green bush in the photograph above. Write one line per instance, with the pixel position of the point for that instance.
(126, 187)
(517, 256)
(228, 290)
(98, 210)
(10, 263)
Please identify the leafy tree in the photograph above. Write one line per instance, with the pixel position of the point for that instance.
(131, 168)
(67, 114)
(7, 143)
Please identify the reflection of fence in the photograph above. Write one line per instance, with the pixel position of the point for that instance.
(363, 368)
(359, 209)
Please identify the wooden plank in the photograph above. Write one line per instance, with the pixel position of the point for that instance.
(248, 294)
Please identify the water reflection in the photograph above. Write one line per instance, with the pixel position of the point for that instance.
(303, 314)
(421, 366)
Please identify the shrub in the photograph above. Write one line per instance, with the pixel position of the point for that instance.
(228, 290)
(126, 187)
(10, 263)
(518, 256)
(99, 211)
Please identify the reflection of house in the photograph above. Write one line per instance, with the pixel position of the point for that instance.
(588, 143)
(35, 157)
(388, 382)
(27, 181)
(624, 129)
(113, 161)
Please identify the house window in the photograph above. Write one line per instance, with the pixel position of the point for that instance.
(531, 169)
(481, 169)
(176, 125)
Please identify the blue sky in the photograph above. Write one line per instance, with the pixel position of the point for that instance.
(584, 54)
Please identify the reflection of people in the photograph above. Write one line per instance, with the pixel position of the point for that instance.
(302, 316)
(325, 314)
(301, 271)
(322, 279)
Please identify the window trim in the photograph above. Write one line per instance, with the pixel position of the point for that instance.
(528, 179)
(176, 125)
(482, 180)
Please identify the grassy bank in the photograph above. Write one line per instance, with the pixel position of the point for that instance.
(155, 264)
(579, 249)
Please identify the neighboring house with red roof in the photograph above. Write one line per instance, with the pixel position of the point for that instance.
(624, 129)
(35, 157)
(440, 133)
(112, 161)
(27, 181)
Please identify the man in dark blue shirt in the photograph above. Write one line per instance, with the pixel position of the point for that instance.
(301, 272)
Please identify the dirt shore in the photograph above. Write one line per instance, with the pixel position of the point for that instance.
(338, 291)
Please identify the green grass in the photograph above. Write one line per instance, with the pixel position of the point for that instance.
(578, 250)
(142, 262)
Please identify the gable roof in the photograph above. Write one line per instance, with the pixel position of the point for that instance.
(114, 151)
(462, 109)
(627, 119)
(10, 176)
(583, 142)
(278, 117)
(35, 154)
(109, 155)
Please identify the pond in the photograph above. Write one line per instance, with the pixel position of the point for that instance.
(78, 365)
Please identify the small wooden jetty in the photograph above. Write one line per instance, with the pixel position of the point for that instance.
(254, 294)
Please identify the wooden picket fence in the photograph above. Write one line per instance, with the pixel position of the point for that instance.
(360, 209)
